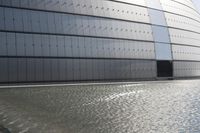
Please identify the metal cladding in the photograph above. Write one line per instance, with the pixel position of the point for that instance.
(84, 40)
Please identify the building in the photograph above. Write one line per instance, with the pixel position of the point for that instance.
(84, 40)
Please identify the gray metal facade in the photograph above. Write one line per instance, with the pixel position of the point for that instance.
(84, 40)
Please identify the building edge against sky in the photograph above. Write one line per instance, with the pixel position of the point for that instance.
(87, 40)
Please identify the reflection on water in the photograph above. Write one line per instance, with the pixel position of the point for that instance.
(158, 107)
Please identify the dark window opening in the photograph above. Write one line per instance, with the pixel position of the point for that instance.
(164, 69)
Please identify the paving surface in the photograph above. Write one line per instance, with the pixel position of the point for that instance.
(146, 107)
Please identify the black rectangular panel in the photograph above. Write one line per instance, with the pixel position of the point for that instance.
(164, 69)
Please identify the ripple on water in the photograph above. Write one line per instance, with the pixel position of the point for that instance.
(158, 107)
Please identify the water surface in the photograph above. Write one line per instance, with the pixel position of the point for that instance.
(146, 107)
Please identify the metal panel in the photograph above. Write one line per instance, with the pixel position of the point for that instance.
(89, 69)
(79, 24)
(47, 70)
(76, 69)
(37, 45)
(70, 69)
(75, 47)
(106, 69)
(29, 44)
(65, 21)
(12, 69)
(95, 70)
(45, 45)
(18, 19)
(6, 2)
(21, 69)
(81, 69)
(54, 70)
(68, 46)
(3, 46)
(35, 21)
(3, 70)
(39, 70)
(53, 46)
(51, 23)
(11, 46)
(93, 47)
(132, 70)
(20, 44)
(69, 6)
(85, 22)
(101, 48)
(44, 22)
(101, 70)
(81, 46)
(61, 45)
(30, 69)
(77, 6)
(2, 26)
(26, 20)
(55, 5)
(9, 24)
(24, 3)
(58, 23)
(88, 44)
(72, 21)
(98, 47)
(62, 69)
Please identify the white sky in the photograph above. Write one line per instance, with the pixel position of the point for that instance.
(197, 4)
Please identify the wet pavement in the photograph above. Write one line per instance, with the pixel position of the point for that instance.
(146, 107)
